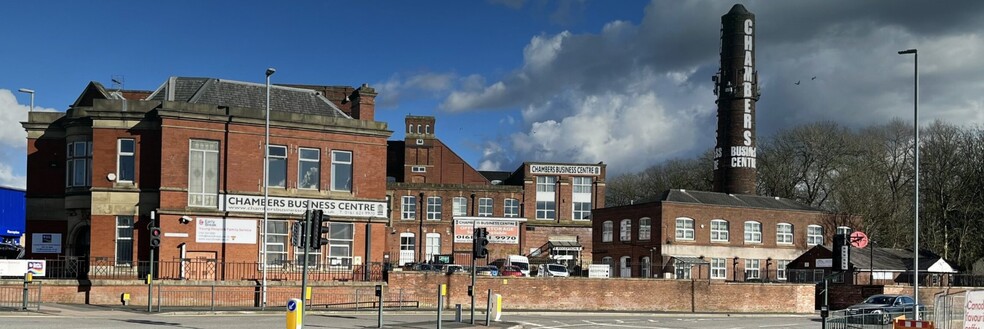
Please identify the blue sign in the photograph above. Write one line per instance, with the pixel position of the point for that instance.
(292, 305)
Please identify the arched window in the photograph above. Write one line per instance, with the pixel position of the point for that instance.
(625, 230)
(784, 233)
(684, 228)
(753, 232)
(410, 128)
(814, 235)
(645, 228)
(418, 129)
(433, 245)
(606, 231)
(719, 230)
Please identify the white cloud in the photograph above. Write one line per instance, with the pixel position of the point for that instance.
(401, 88)
(12, 114)
(636, 94)
(9, 178)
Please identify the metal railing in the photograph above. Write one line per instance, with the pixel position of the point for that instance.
(841, 319)
(208, 270)
(949, 310)
(12, 297)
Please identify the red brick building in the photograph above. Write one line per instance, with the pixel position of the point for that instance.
(435, 195)
(191, 152)
(698, 234)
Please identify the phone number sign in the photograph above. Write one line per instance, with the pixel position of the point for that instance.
(500, 231)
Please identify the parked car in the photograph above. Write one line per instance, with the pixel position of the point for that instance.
(487, 271)
(452, 268)
(881, 309)
(511, 270)
(522, 262)
(556, 270)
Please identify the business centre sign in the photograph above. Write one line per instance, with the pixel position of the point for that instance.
(297, 206)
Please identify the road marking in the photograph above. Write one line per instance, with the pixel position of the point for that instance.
(777, 326)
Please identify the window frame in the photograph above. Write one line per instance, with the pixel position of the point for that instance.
(784, 237)
(74, 161)
(429, 249)
(117, 246)
(718, 232)
(459, 206)
(578, 211)
(781, 269)
(408, 210)
(581, 184)
(750, 236)
(337, 164)
(267, 233)
(204, 167)
(681, 231)
(334, 243)
(607, 228)
(270, 161)
(120, 154)
(645, 228)
(546, 210)
(753, 266)
(434, 208)
(625, 230)
(301, 161)
(508, 210)
(546, 184)
(719, 268)
(485, 206)
(812, 237)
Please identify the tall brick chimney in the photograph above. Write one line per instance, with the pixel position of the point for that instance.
(364, 103)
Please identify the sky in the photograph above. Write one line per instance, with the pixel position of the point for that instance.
(626, 83)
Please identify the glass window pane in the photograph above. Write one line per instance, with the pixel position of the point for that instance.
(127, 146)
(127, 165)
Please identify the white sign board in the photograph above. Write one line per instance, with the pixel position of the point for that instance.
(500, 231)
(825, 262)
(974, 309)
(46, 243)
(599, 271)
(219, 230)
(18, 267)
(297, 206)
(549, 169)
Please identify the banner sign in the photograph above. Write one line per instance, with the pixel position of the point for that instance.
(219, 230)
(46, 243)
(297, 206)
(19, 267)
(565, 169)
(974, 309)
(500, 231)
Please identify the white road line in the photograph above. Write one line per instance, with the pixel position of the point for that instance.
(620, 325)
(777, 326)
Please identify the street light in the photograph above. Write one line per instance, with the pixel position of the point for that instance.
(28, 91)
(266, 177)
(915, 113)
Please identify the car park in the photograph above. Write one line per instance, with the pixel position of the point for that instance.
(552, 270)
(881, 309)
(511, 270)
(453, 268)
(486, 271)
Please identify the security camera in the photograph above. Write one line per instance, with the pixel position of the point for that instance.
(185, 219)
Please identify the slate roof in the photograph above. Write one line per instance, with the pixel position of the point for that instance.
(889, 259)
(734, 200)
(245, 95)
(496, 175)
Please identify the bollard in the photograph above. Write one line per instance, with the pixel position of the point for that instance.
(28, 277)
(125, 298)
(488, 309)
(440, 304)
(457, 313)
(294, 313)
(379, 316)
(498, 307)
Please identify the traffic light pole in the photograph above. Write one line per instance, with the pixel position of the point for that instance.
(474, 250)
(150, 276)
(307, 248)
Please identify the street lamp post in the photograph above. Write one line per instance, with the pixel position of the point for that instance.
(266, 177)
(915, 113)
(29, 91)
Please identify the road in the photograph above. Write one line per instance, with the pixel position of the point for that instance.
(92, 317)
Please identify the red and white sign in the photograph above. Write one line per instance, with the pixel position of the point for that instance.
(505, 231)
(974, 309)
(916, 324)
(859, 239)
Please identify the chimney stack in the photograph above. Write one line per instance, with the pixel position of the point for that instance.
(736, 88)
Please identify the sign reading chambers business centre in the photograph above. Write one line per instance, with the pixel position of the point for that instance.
(565, 169)
(297, 206)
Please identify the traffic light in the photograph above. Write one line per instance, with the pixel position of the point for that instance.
(297, 233)
(317, 239)
(479, 243)
(155, 236)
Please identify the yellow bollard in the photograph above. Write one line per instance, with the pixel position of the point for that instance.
(498, 307)
(294, 307)
(307, 293)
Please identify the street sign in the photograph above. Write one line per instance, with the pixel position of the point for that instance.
(859, 239)
(292, 305)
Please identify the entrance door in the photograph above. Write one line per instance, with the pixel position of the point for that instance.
(626, 269)
(433, 246)
(408, 243)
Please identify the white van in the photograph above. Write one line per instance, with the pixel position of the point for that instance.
(519, 261)
(557, 270)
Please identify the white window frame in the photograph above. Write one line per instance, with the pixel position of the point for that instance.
(408, 207)
(685, 228)
(753, 233)
(781, 266)
(645, 228)
(434, 208)
(120, 154)
(485, 206)
(546, 210)
(581, 211)
(606, 231)
(301, 161)
(625, 230)
(336, 243)
(719, 268)
(814, 235)
(844, 230)
(753, 269)
(336, 164)
(510, 208)
(124, 239)
(459, 206)
(720, 230)
(581, 185)
(546, 183)
(274, 158)
(209, 199)
(284, 234)
(418, 169)
(784, 233)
